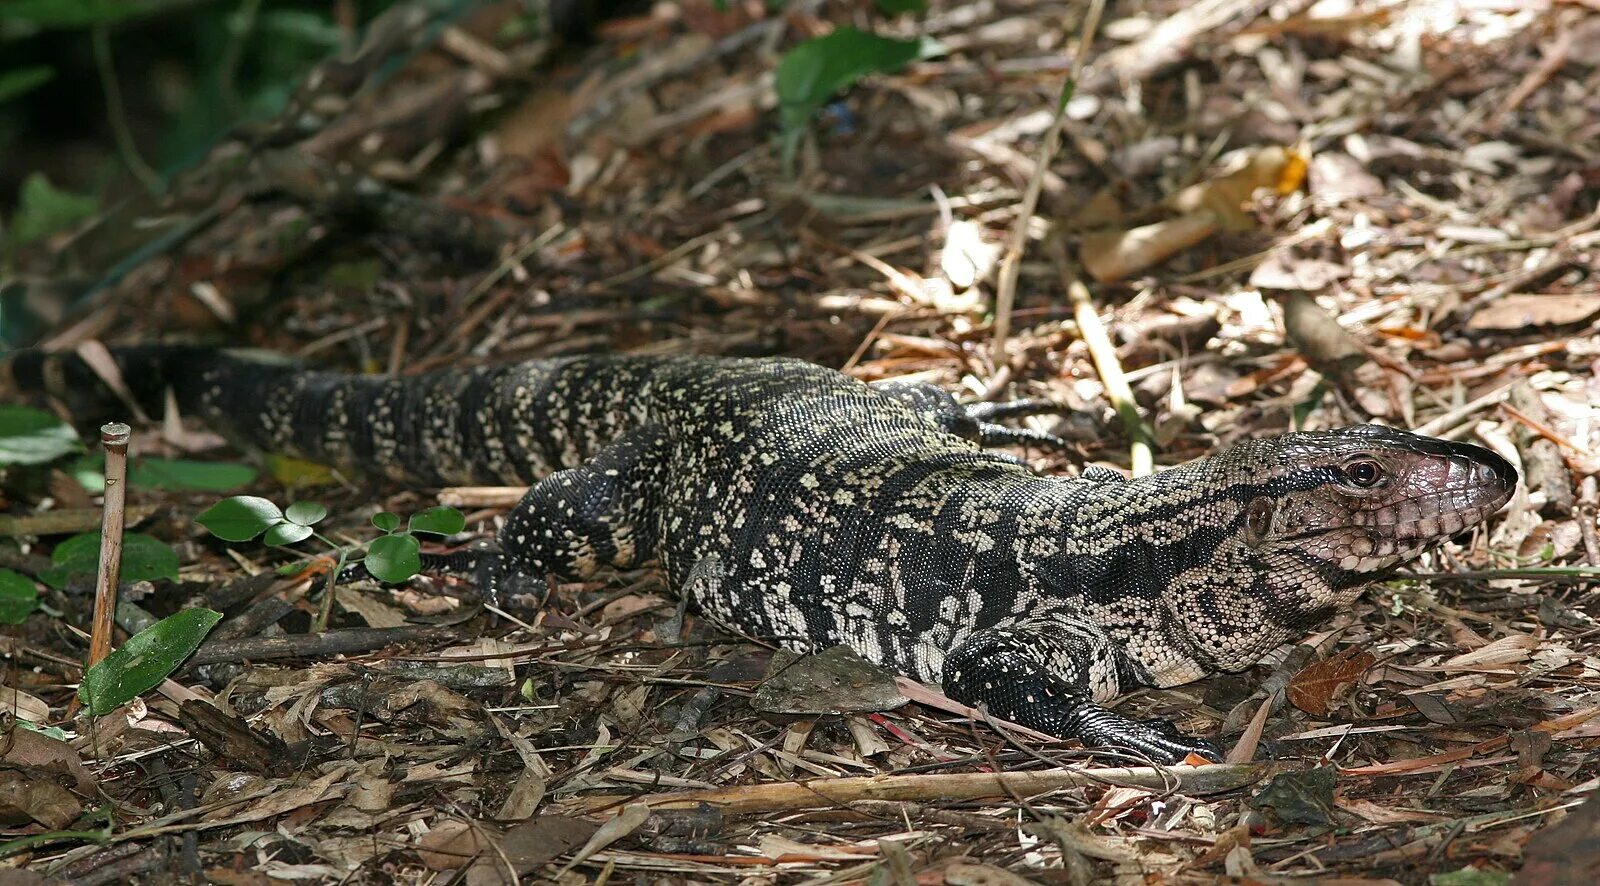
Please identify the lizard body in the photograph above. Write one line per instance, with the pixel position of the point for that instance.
(835, 512)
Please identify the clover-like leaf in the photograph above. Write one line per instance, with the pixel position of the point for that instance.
(286, 533)
(306, 513)
(145, 660)
(442, 520)
(386, 521)
(240, 518)
(393, 558)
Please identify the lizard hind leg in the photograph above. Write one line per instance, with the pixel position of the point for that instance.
(1047, 674)
(601, 513)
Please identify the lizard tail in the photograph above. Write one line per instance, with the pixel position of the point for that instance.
(436, 429)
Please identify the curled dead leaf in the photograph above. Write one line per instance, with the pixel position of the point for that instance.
(1313, 689)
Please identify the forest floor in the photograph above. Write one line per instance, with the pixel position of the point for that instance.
(1287, 215)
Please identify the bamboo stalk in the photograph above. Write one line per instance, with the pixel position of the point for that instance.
(114, 437)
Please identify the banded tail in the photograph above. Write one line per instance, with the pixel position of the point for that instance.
(506, 425)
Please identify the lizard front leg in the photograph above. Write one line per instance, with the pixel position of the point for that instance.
(1047, 673)
(573, 522)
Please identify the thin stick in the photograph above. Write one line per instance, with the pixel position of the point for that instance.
(114, 437)
(1104, 354)
(100, 37)
(824, 792)
(1011, 264)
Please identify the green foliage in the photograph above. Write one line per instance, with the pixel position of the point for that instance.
(396, 556)
(172, 474)
(895, 7)
(240, 518)
(143, 559)
(814, 71)
(43, 209)
(21, 81)
(437, 521)
(392, 557)
(71, 13)
(145, 660)
(33, 436)
(18, 597)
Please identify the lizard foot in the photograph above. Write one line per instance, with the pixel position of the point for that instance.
(1155, 738)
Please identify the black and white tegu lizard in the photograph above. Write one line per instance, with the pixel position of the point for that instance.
(843, 513)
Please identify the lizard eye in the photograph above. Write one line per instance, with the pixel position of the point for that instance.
(1365, 474)
(1258, 520)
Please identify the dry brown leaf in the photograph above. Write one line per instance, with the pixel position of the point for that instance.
(535, 843)
(1567, 851)
(23, 747)
(1112, 255)
(22, 705)
(1312, 689)
(1504, 651)
(25, 798)
(972, 873)
(1227, 197)
(1382, 813)
(454, 844)
(1519, 311)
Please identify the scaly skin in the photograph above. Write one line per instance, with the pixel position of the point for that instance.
(823, 511)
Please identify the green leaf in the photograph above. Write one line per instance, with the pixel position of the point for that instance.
(145, 660)
(21, 81)
(173, 474)
(386, 521)
(33, 436)
(187, 475)
(42, 210)
(143, 559)
(18, 597)
(393, 558)
(895, 7)
(240, 518)
(72, 13)
(305, 513)
(812, 72)
(438, 521)
(286, 533)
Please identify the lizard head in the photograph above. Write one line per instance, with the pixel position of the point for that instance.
(1292, 527)
(1356, 501)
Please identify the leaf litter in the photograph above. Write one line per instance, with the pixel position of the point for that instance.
(497, 199)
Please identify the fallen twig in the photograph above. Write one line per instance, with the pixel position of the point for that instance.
(784, 796)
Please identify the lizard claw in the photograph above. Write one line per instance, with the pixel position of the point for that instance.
(1157, 739)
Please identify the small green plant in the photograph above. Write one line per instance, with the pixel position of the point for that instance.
(145, 660)
(814, 71)
(392, 557)
(143, 559)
